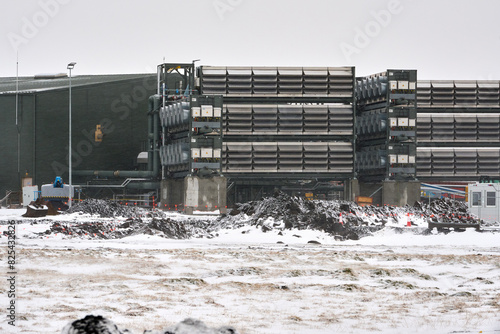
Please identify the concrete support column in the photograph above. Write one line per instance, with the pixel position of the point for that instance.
(400, 193)
(172, 194)
(205, 194)
(351, 190)
(194, 193)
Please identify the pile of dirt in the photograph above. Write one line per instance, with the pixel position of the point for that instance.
(342, 219)
(139, 221)
(345, 220)
(105, 208)
(444, 205)
(445, 210)
(339, 218)
(101, 325)
(162, 227)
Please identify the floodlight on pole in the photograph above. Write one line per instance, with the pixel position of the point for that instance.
(70, 199)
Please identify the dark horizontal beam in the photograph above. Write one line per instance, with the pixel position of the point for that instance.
(447, 178)
(294, 138)
(286, 99)
(451, 109)
(461, 144)
(256, 177)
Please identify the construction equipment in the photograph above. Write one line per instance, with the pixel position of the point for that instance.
(57, 193)
(40, 208)
(53, 198)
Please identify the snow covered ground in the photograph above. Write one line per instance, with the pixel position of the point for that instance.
(395, 281)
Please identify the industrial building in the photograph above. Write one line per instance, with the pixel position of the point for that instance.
(203, 138)
(109, 125)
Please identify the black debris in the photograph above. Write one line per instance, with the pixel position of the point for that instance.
(342, 219)
(92, 325)
(99, 325)
(106, 208)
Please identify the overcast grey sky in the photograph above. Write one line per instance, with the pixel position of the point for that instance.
(442, 39)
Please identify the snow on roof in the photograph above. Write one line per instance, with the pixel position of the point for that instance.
(45, 82)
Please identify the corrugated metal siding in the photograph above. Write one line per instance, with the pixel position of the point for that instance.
(121, 105)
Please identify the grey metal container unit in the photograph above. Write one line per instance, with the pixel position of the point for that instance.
(187, 151)
(458, 130)
(284, 123)
(386, 126)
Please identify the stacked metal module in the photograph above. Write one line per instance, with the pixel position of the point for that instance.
(191, 142)
(192, 136)
(277, 81)
(458, 130)
(386, 126)
(285, 121)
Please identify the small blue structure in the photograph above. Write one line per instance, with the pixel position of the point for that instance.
(57, 191)
(58, 183)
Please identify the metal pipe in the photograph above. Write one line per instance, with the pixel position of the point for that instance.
(159, 69)
(156, 153)
(144, 185)
(17, 85)
(116, 173)
(138, 185)
(153, 133)
(163, 143)
(376, 191)
(150, 145)
(18, 154)
(123, 185)
(17, 121)
(70, 199)
(33, 172)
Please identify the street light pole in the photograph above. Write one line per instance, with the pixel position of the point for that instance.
(70, 67)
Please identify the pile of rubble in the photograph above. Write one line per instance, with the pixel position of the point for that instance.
(162, 227)
(340, 218)
(99, 325)
(442, 206)
(343, 219)
(105, 208)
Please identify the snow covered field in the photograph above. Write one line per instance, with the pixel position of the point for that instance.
(274, 282)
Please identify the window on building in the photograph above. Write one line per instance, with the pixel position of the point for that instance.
(490, 198)
(476, 198)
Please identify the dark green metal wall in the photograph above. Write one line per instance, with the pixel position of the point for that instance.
(120, 107)
(12, 168)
